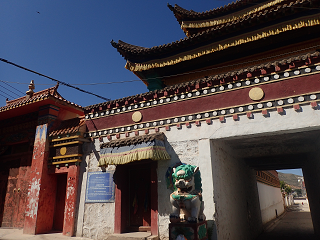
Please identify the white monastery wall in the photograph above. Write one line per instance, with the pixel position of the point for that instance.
(95, 220)
(289, 201)
(270, 202)
(230, 191)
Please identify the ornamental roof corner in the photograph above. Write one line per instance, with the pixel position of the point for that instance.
(49, 93)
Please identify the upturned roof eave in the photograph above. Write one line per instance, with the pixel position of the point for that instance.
(137, 54)
(183, 14)
(46, 96)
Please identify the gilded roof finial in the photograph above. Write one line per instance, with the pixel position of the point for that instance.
(30, 91)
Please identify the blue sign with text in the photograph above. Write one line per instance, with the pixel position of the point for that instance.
(100, 187)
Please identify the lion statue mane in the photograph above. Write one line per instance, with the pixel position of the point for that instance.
(186, 199)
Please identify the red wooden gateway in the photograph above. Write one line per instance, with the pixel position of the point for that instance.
(38, 178)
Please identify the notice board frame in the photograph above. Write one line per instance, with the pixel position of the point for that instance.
(100, 187)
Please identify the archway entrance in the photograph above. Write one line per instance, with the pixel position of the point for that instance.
(237, 161)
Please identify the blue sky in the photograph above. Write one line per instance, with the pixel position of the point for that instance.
(70, 41)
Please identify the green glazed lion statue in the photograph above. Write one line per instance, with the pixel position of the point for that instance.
(186, 200)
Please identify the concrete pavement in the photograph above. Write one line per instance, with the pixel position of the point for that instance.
(16, 234)
(294, 224)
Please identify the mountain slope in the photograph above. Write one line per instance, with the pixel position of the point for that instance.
(290, 179)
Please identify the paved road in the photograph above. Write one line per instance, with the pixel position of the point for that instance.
(295, 224)
(17, 234)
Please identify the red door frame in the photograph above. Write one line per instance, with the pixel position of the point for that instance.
(122, 193)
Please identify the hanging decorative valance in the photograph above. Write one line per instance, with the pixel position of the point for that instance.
(133, 149)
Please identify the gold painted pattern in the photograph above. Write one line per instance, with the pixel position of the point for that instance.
(307, 22)
(210, 23)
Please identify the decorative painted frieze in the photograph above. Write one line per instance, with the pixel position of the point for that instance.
(219, 114)
(233, 111)
(249, 82)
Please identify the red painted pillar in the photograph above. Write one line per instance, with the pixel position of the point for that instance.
(42, 188)
(36, 187)
(121, 217)
(154, 199)
(71, 200)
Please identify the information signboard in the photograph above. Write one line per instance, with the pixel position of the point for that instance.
(100, 187)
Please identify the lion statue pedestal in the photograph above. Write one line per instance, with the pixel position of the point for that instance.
(188, 231)
(187, 217)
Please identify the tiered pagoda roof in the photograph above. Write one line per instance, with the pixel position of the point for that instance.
(235, 31)
(194, 22)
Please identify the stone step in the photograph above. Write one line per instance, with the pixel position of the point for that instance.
(133, 236)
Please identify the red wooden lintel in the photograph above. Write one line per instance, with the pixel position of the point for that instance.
(296, 107)
(280, 110)
(208, 121)
(235, 117)
(264, 112)
(314, 104)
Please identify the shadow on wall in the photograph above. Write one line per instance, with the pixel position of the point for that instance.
(165, 208)
(86, 148)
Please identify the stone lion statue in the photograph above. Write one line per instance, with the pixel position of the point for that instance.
(186, 200)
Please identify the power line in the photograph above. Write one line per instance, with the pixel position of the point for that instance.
(60, 82)
(3, 96)
(12, 87)
(137, 80)
(7, 94)
(10, 90)
(167, 76)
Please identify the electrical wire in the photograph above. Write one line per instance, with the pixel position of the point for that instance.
(3, 96)
(12, 86)
(167, 76)
(7, 94)
(48, 84)
(10, 90)
(60, 82)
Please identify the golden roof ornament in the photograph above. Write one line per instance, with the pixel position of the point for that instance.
(30, 92)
